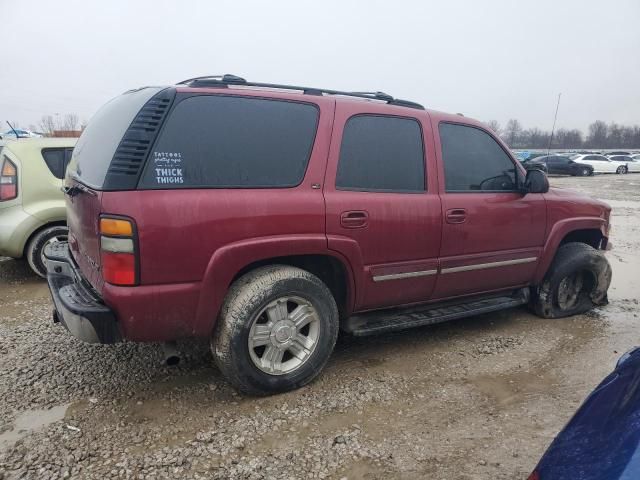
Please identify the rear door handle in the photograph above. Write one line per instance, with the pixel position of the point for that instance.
(354, 219)
(456, 215)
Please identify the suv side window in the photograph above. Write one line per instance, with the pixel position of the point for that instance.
(474, 161)
(381, 154)
(55, 160)
(217, 141)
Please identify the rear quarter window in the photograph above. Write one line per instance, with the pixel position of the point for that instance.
(217, 141)
(54, 158)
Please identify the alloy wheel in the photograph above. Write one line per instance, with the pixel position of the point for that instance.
(284, 335)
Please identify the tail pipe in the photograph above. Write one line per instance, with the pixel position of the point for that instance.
(171, 354)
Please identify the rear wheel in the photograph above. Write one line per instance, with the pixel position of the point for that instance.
(35, 248)
(585, 172)
(621, 169)
(577, 280)
(276, 330)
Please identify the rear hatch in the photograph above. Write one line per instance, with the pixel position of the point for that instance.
(107, 157)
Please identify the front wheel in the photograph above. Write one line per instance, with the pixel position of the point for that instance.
(577, 280)
(585, 172)
(276, 330)
(621, 169)
(35, 248)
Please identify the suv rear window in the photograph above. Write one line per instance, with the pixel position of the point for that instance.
(381, 153)
(217, 141)
(95, 148)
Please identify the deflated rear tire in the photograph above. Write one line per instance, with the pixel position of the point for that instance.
(276, 330)
(577, 280)
(35, 248)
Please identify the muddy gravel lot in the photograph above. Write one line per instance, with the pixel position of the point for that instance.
(479, 398)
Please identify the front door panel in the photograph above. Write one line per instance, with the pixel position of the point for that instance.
(497, 245)
(492, 234)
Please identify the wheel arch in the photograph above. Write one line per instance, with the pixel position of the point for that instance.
(308, 252)
(40, 228)
(589, 230)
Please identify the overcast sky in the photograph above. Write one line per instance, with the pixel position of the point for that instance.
(487, 59)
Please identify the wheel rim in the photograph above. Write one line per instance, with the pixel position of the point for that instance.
(585, 172)
(570, 289)
(56, 239)
(284, 335)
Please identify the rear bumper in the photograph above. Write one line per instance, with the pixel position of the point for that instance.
(77, 306)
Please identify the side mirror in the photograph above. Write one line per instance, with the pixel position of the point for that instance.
(536, 182)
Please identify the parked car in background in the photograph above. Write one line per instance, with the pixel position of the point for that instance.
(11, 134)
(633, 164)
(532, 164)
(32, 208)
(560, 165)
(601, 163)
(267, 220)
(621, 152)
(602, 440)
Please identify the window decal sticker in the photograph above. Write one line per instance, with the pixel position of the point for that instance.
(168, 167)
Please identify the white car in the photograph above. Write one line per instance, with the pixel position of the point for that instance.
(632, 162)
(601, 164)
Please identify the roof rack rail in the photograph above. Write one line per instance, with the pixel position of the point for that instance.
(225, 80)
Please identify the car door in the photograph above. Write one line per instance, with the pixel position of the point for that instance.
(552, 165)
(601, 163)
(382, 207)
(492, 233)
(562, 165)
(633, 165)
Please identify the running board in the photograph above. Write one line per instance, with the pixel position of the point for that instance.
(372, 323)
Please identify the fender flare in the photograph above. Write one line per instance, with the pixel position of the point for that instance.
(560, 230)
(227, 261)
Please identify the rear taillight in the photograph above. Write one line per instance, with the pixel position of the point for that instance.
(8, 180)
(118, 251)
(534, 475)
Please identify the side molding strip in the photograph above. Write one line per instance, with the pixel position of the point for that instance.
(398, 276)
(482, 266)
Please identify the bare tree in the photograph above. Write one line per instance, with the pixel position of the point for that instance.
(512, 132)
(598, 132)
(494, 125)
(70, 122)
(48, 125)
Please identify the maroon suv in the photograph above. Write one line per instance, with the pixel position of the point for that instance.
(267, 217)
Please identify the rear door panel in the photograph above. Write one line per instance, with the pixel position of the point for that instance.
(394, 256)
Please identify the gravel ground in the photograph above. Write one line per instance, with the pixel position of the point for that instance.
(479, 398)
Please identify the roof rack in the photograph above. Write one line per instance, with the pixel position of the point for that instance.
(224, 81)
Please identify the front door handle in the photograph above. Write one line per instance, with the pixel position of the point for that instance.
(456, 215)
(354, 219)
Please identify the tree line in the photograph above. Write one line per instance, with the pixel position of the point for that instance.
(599, 135)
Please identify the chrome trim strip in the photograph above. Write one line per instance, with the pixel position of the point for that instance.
(398, 276)
(481, 266)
